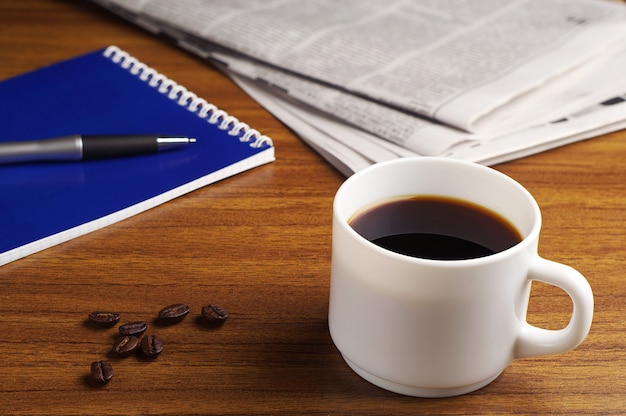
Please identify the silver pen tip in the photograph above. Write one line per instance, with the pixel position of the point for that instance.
(174, 140)
(165, 143)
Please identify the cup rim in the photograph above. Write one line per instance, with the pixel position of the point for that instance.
(527, 240)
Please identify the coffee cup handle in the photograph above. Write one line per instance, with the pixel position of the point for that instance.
(534, 341)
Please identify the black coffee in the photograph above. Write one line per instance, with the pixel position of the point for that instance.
(437, 228)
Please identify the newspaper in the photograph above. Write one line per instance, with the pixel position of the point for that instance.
(351, 150)
(431, 77)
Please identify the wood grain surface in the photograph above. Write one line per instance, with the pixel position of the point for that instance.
(258, 244)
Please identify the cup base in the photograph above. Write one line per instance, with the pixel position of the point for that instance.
(425, 392)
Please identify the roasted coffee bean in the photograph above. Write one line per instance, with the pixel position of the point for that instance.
(133, 328)
(214, 314)
(173, 313)
(101, 371)
(103, 318)
(126, 345)
(151, 345)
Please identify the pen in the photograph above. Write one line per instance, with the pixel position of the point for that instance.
(84, 147)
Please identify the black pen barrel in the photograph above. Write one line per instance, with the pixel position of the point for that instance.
(105, 146)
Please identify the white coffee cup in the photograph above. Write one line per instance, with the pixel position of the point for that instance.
(438, 328)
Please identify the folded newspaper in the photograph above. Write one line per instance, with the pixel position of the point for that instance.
(480, 80)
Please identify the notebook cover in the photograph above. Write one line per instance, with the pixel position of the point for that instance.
(42, 204)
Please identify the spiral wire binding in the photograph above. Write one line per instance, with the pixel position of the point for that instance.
(215, 116)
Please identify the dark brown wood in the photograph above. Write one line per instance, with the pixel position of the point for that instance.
(258, 245)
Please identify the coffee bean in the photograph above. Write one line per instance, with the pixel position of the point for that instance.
(103, 318)
(101, 371)
(126, 345)
(214, 314)
(173, 313)
(151, 345)
(133, 328)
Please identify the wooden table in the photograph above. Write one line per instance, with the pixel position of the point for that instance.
(258, 244)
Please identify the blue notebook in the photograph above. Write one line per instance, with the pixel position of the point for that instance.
(108, 92)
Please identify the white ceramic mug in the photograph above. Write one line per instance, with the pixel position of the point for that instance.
(437, 328)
